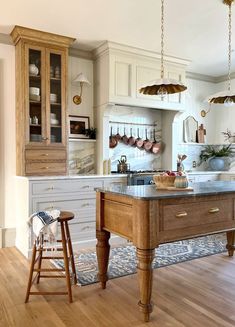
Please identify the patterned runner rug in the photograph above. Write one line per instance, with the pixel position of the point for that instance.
(122, 259)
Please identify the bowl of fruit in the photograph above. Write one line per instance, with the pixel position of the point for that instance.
(166, 179)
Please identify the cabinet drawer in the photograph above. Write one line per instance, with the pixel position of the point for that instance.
(46, 154)
(83, 209)
(115, 181)
(186, 215)
(66, 186)
(82, 232)
(45, 168)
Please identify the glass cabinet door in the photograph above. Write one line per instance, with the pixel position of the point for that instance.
(35, 91)
(56, 100)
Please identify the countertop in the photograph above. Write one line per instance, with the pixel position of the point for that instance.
(81, 176)
(149, 192)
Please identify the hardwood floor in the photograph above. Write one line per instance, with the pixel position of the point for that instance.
(196, 293)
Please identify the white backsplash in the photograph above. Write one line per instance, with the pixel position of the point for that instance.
(81, 157)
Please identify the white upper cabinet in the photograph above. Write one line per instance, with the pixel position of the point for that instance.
(120, 71)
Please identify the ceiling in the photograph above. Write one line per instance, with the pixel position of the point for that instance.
(194, 30)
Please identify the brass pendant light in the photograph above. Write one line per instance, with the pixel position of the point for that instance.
(226, 97)
(162, 86)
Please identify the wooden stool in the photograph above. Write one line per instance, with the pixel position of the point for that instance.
(68, 258)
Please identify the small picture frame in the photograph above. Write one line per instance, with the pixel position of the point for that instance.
(77, 126)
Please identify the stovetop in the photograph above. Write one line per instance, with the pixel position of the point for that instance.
(141, 172)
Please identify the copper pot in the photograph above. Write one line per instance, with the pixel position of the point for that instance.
(147, 145)
(124, 138)
(156, 146)
(118, 136)
(112, 140)
(131, 140)
(139, 142)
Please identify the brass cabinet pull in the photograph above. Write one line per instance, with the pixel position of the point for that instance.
(86, 186)
(213, 210)
(181, 214)
(45, 167)
(45, 154)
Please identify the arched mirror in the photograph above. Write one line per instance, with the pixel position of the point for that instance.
(190, 128)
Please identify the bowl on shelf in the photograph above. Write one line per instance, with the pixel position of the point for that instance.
(54, 121)
(34, 97)
(162, 181)
(53, 97)
(34, 90)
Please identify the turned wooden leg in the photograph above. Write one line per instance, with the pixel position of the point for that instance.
(102, 252)
(145, 272)
(31, 273)
(40, 257)
(231, 242)
(71, 253)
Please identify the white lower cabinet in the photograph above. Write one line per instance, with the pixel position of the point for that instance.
(195, 178)
(227, 177)
(75, 195)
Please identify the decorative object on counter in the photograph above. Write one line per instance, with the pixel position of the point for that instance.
(171, 180)
(78, 126)
(226, 97)
(123, 166)
(82, 79)
(162, 86)
(190, 125)
(180, 166)
(229, 136)
(33, 70)
(181, 181)
(215, 156)
(91, 133)
(200, 134)
(112, 139)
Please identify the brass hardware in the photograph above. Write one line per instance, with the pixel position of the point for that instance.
(44, 138)
(51, 188)
(77, 99)
(85, 186)
(181, 214)
(45, 167)
(213, 210)
(85, 205)
(45, 154)
(228, 2)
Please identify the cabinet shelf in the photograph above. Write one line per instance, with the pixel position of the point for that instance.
(55, 126)
(54, 79)
(36, 77)
(35, 125)
(55, 104)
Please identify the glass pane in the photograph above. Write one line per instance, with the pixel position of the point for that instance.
(55, 98)
(35, 107)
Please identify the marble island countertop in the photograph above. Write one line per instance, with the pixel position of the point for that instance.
(150, 192)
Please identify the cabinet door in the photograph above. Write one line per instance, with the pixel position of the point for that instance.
(55, 96)
(35, 94)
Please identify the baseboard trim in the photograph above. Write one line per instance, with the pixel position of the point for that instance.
(7, 237)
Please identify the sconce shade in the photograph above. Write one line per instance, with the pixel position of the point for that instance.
(170, 85)
(82, 79)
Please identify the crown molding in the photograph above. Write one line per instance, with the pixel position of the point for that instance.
(201, 77)
(74, 52)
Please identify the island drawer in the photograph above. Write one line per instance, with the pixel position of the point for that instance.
(198, 213)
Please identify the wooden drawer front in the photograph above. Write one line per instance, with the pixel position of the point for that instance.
(181, 216)
(45, 168)
(83, 209)
(47, 154)
(66, 186)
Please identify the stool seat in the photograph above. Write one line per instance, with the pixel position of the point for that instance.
(65, 216)
(66, 247)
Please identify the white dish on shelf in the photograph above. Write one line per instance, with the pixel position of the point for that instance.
(53, 97)
(54, 121)
(34, 90)
(34, 97)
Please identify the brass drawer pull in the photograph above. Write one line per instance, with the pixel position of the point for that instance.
(86, 186)
(51, 188)
(181, 214)
(213, 210)
(45, 167)
(44, 154)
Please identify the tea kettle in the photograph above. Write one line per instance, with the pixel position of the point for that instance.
(123, 166)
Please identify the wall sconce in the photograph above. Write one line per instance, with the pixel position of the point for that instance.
(81, 78)
(205, 112)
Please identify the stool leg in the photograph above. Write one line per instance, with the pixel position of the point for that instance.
(31, 272)
(66, 262)
(71, 253)
(40, 257)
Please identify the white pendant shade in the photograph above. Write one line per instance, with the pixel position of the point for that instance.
(170, 85)
(82, 79)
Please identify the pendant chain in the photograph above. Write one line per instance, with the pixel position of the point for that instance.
(162, 38)
(229, 46)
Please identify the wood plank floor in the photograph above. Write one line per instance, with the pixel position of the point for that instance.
(196, 293)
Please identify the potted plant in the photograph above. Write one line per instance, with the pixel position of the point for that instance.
(91, 132)
(215, 156)
(229, 136)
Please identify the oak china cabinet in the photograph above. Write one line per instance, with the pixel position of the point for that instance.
(41, 83)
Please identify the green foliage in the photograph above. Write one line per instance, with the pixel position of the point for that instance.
(91, 132)
(210, 152)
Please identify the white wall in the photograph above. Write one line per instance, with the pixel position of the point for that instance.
(7, 135)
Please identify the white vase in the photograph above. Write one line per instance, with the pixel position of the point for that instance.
(33, 69)
(216, 163)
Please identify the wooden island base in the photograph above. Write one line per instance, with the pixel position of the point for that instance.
(148, 222)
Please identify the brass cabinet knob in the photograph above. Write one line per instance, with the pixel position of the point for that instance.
(44, 138)
(181, 214)
(213, 210)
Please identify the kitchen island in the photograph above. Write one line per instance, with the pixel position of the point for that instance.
(150, 217)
